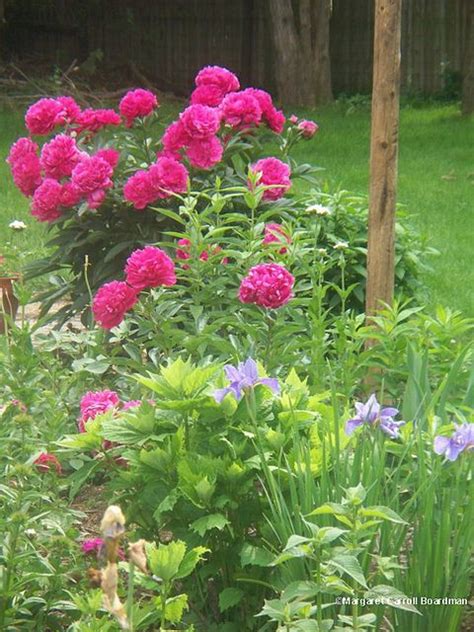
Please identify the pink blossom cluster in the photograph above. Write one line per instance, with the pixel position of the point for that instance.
(195, 132)
(165, 177)
(148, 267)
(91, 176)
(61, 176)
(217, 99)
(47, 114)
(273, 172)
(213, 83)
(249, 108)
(95, 403)
(268, 285)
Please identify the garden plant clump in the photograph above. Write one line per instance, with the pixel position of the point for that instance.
(265, 458)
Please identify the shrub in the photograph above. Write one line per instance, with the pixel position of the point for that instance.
(108, 184)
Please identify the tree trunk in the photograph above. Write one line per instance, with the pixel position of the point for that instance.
(383, 155)
(301, 40)
(468, 62)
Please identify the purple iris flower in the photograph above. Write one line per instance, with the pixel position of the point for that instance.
(241, 377)
(371, 413)
(462, 439)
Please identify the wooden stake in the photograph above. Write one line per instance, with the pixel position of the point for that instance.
(383, 155)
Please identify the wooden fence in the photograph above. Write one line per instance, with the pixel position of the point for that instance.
(169, 40)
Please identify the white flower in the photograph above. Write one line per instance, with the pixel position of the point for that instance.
(322, 251)
(17, 225)
(318, 209)
(341, 245)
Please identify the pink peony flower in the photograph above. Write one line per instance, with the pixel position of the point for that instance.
(112, 156)
(139, 191)
(70, 196)
(168, 176)
(95, 403)
(200, 121)
(25, 165)
(43, 116)
(47, 201)
(276, 121)
(217, 76)
(241, 110)
(275, 233)
(205, 153)
(45, 461)
(137, 103)
(268, 285)
(211, 95)
(293, 119)
(273, 171)
(91, 177)
(175, 137)
(111, 302)
(149, 267)
(93, 120)
(59, 156)
(70, 109)
(21, 148)
(308, 128)
(26, 173)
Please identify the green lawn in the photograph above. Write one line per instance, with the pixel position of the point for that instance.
(436, 182)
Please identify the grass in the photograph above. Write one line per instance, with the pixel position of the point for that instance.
(436, 182)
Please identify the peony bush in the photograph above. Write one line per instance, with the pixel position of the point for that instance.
(109, 183)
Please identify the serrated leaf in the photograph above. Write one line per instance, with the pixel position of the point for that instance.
(207, 523)
(300, 590)
(350, 565)
(175, 607)
(391, 597)
(229, 598)
(190, 561)
(165, 560)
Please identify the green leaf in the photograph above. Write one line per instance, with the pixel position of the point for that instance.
(331, 509)
(190, 561)
(391, 597)
(300, 590)
(207, 523)
(350, 565)
(229, 598)
(255, 556)
(175, 607)
(165, 560)
(97, 367)
(329, 534)
(378, 511)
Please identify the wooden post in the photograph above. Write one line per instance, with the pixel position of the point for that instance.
(383, 155)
